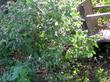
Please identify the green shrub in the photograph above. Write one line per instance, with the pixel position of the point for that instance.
(99, 75)
(47, 36)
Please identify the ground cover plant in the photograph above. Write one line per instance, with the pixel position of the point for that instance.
(41, 42)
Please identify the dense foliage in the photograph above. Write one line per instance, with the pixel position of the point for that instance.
(42, 40)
